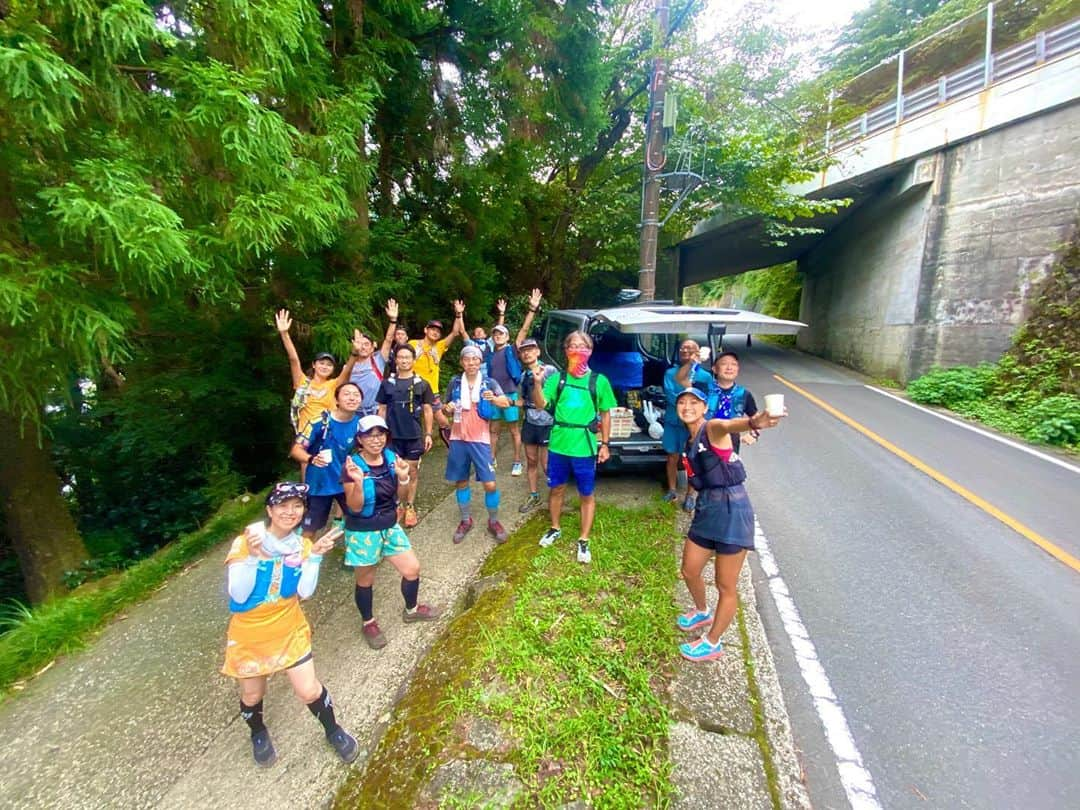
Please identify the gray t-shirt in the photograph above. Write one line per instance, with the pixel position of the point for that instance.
(367, 374)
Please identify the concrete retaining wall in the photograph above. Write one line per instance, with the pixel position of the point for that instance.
(938, 271)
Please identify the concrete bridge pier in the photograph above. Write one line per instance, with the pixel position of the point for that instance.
(938, 268)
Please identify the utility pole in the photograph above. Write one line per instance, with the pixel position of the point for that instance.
(654, 158)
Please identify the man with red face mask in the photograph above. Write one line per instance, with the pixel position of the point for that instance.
(580, 400)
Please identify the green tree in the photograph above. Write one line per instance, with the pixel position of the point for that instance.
(152, 156)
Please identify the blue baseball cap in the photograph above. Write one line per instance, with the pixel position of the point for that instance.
(692, 392)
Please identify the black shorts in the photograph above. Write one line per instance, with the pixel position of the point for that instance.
(408, 449)
(318, 510)
(536, 434)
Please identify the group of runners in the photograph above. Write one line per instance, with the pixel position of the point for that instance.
(361, 434)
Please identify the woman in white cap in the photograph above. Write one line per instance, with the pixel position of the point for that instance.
(723, 524)
(373, 478)
(271, 567)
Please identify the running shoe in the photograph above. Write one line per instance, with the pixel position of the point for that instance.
(373, 635)
(550, 536)
(701, 650)
(263, 749)
(463, 529)
(690, 504)
(671, 496)
(693, 619)
(583, 554)
(496, 530)
(531, 503)
(423, 613)
(400, 513)
(517, 469)
(344, 743)
(411, 518)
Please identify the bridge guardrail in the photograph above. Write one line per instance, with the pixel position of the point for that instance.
(972, 78)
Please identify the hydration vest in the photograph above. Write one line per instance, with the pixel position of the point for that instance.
(270, 571)
(705, 469)
(728, 404)
(484, 409)
(369, 488)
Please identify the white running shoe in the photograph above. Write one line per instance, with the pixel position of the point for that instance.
(583, 553)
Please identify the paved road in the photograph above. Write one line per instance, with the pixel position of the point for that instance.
(951, 641)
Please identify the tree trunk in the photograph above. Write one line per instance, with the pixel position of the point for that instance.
(36, 518)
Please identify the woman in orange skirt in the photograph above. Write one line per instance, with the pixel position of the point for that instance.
(271, 567)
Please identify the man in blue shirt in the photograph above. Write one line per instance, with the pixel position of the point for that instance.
(688, 373)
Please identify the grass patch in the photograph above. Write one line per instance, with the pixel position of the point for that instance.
(32, 637)
(761, 734)
(569, 661)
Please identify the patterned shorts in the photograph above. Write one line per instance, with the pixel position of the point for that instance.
(368, 548)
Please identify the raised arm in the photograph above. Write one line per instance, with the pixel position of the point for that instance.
(534, 306)
(459, 322)
(353, 485)
(500, 308)
(284, 324)
(391, 327)
(346, 370)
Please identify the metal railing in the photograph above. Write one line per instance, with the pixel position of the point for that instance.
(972, 78)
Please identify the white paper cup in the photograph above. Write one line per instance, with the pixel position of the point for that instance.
(327, 455)
(774, 404)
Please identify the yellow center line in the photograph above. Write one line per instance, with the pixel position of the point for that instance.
(965, 493)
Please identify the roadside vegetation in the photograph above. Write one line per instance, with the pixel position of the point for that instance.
(568, 662)
(1033, 391)
(31, 638)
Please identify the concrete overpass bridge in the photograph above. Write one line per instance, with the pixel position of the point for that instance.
(961, 192)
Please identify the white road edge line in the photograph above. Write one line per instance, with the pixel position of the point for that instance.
(980, 431)
(855, 778)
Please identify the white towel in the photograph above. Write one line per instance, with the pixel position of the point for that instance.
(470, 393)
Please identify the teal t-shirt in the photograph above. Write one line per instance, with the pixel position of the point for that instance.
(576, 408)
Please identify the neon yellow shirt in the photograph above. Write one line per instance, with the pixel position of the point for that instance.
(428, 357)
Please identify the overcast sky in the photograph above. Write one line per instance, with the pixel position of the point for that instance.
(816, 18)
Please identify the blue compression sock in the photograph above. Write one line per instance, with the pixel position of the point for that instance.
(463, 498)
(491, 501)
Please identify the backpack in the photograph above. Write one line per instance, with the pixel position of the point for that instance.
(297, 404)
(552, 406)
(369, 483)
(484, 409)
(315, 443)
(513, 364)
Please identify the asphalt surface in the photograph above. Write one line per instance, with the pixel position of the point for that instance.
(951, 641)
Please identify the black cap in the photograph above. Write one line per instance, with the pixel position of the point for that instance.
(434, 324)
(324, 356)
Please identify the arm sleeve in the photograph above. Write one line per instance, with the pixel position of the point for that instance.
(241, 578)
(309, 576)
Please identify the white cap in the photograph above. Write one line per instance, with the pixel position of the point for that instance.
(500, 328)
(370, 422)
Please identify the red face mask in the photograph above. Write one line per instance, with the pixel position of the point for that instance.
(577, 361)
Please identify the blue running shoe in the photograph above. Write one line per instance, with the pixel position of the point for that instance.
(701, 650)
(690, 504)
(671, 496)
(693, 619)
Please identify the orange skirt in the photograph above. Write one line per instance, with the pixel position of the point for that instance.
(266, 639)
